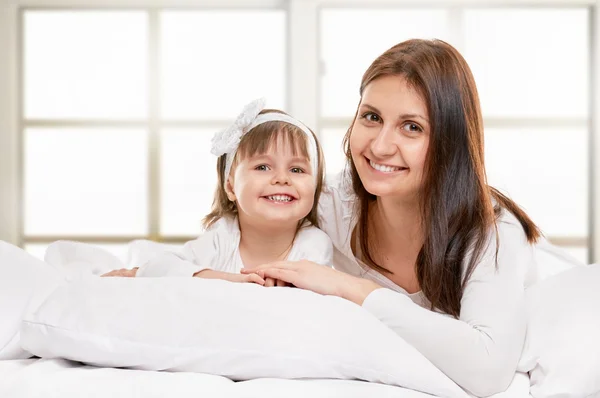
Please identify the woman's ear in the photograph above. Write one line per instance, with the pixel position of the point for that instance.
(229, 189)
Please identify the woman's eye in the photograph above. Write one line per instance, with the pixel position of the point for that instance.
(296, 170)
(262, 167)
(412, 128)
(372, 117)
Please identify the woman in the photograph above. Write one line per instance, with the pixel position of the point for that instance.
(422, 241)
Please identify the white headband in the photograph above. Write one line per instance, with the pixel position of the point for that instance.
(228, 140)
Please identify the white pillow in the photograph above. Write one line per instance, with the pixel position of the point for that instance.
(241, 331)
(562, 348)
(79, 259)
(24, 281)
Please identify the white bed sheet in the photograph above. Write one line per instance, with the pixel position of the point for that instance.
(58, 378)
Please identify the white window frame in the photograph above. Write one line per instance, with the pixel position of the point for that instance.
(303, 99)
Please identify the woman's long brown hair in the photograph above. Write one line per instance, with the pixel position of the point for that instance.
(458, 213)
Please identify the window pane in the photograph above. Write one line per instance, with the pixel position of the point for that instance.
(210, 73)
(120, 250)
(331, 141)
(352, 39)
(188, 179)
(529, 62)
(85, 182)
(85, 64)
(546, 172)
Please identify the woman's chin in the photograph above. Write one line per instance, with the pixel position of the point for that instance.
(388, 190)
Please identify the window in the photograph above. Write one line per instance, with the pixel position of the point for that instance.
(119, 109)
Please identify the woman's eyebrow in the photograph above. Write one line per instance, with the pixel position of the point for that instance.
(412, 116)
(402, 116)
(371, 108)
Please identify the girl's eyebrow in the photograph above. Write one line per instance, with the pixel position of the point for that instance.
(298, 159)
(294, 159)
(260, 157)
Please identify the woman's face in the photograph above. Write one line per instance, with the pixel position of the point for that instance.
(390, 137)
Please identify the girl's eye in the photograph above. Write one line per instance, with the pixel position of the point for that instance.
(371, 117)
(412, 128)
(262, 167)
(296, 170)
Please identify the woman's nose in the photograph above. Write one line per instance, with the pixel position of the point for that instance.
(383, 144)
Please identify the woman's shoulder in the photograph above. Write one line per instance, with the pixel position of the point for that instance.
(507, 231)
(337, 207)
(337, 192)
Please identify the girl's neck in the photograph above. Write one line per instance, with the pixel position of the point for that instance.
(264, 244)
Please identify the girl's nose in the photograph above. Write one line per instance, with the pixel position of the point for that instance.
(281, 177)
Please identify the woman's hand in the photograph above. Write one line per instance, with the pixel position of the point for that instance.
(317, 278)
(123, 272)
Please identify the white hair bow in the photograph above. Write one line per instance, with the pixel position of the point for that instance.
(226, 141)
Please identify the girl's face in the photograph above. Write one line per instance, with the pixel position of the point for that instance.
(390, 137)
(276, 188)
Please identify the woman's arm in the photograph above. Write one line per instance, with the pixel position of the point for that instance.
(481, 349)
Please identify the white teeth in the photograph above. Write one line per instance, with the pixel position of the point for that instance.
(280, 198)
(383, 168)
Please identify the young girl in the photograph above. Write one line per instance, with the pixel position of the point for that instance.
(270, 174)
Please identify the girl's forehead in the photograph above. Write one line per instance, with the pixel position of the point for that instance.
(281, 143)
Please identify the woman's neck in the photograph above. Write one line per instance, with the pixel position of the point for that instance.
(264, 244)
(396, 237)
(395, 221)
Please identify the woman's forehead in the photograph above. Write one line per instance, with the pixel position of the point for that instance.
(393, 94)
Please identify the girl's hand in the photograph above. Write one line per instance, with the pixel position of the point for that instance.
(228, 276)
(123, 272)
(317, 278)
(270, 282)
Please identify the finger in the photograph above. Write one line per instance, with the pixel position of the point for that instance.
(280, 283)
(276, 264)
(284, 275)
(256, 279)
(269, 282)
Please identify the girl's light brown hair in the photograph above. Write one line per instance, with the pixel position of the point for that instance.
(456, 202)
(257, 142)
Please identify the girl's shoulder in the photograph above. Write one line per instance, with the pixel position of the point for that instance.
(312, 244)
(224, 225)
(222, 235)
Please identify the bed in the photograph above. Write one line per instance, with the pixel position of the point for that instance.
(559, 359)
(49, 378)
